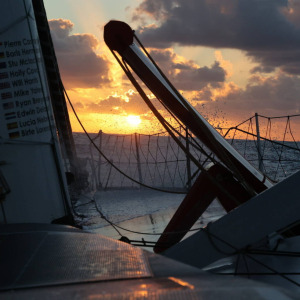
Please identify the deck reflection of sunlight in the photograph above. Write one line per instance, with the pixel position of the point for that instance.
(181, 282)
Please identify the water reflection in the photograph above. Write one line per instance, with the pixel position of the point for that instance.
(148, 228)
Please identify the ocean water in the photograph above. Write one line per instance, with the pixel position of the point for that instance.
(142, 212)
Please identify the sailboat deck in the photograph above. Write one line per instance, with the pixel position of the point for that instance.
(53, 261)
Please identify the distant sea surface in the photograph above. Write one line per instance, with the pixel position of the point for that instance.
(156, 162)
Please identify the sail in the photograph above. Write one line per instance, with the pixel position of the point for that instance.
(29, 149)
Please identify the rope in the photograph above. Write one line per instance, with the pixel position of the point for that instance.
(14, 23)
(170, 129)
(116, 227)
(146, 233)
(245, 252)
(226, 159)
(276, 149)
(109, 161)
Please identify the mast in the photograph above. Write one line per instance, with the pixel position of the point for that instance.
(56, 89)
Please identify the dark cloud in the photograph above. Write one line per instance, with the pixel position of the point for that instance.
(79, 65)
(270, 96)
(186, 75)
(268, 30)
(198, 78)
(287, 60)
(292, 12)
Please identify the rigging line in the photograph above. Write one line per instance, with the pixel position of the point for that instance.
(233, 137)
(268, 139)
(228, 161)
(249, 126)
(158, 150)
(160, 72)
(158, 133)
(164, 122)
(235, 127)
(17, 21)
(208, 134)
(266, 134)
(228, 130)
(166, 125)
(243, 251)
(103, 217)
(196, 145)
(292, 134)
(274, 148)
(244, 121)
(210, 236)
(280, 117)
(272, 270)
(154, 158)
(275, 252)
(106, 158)
(147, 233)
(132, 231)
(200, 148)
(139, 232)
(177, 93)
(281, 151)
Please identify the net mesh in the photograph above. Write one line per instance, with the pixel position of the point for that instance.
(157, 161)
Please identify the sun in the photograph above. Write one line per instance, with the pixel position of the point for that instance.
(134, 120)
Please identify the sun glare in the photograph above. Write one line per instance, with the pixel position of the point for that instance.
(134, 120)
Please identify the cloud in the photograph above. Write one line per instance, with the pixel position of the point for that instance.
(130, 103)
(79, 64)
(198, 78)
(185, 74)
(274, 95)
(292, 12)
(269, 30)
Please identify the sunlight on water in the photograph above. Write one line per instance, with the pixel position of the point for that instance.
(144, 213)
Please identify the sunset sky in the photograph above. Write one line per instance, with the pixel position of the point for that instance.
(229, 58)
